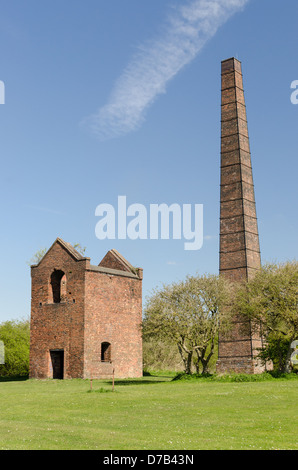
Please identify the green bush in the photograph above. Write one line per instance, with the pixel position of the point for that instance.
(16, 338)
(235, 377)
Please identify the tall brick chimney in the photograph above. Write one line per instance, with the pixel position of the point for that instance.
(239, 239)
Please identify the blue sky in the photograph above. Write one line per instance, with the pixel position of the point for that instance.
(114, 98)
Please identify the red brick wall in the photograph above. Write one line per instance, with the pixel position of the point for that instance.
(57, 325)
(95, 307)
(113, 314)
(111, 261)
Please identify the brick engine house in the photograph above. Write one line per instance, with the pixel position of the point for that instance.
(85, 319)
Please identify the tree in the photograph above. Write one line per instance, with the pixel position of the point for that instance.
(79, 248)
(37, 257)
(270, 299)
(15, 335)
(188, 313)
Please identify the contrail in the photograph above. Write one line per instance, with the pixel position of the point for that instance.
(186, 31)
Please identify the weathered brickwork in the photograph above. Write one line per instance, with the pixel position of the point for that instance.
(85, 319)
(239, 239)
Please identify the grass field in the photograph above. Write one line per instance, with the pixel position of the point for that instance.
(152, 413)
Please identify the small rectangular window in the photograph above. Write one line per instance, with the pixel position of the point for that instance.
(105, 352)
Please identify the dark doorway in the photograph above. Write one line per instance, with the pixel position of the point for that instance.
(57, 358)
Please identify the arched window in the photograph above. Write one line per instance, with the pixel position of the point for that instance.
(58, 284)
(105, 352)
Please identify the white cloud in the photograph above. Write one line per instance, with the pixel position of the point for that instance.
(187, 29)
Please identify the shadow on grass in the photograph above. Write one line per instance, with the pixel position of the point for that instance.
(137, 382)
(145, 380)
(14, 378)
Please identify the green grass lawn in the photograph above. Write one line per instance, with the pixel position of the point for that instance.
(153, 413)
